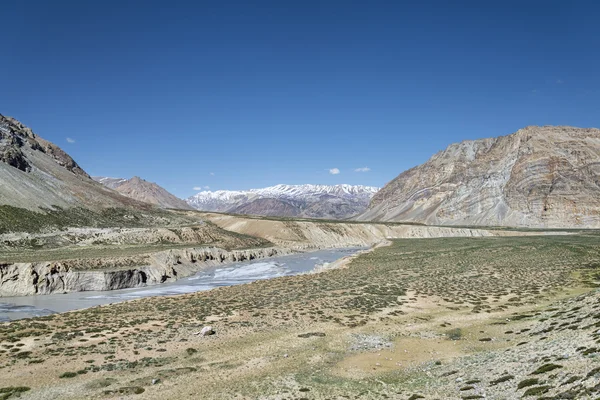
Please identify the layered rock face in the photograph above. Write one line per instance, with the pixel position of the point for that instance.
(536, 177)
(24, 279)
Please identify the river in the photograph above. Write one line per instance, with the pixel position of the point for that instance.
(12, 308)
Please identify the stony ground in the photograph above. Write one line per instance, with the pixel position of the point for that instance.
(500, 318)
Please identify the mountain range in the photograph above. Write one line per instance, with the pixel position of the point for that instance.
(307, 201)
(539, 176)
(546, 176)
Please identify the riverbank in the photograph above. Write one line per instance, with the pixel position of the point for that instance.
(345, 261)
(210, 276)
(110, 259)
(44, 278)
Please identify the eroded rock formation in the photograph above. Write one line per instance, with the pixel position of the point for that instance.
(23, 279)
(536, 177)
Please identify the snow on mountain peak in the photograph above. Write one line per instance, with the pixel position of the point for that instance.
(301, 196)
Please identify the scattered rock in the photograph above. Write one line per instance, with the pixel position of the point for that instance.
(207, 331)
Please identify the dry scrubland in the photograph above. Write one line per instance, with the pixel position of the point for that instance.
(100, 258)
(448, 318)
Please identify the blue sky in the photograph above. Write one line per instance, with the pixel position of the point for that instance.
(239, 94)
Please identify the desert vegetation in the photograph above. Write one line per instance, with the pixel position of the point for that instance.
(422, 318)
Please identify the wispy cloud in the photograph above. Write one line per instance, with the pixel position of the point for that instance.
(69, 140)
(197, 188)
(334, 171)
(212, 174)
(206, 187)
(560, 81)
(363, 169)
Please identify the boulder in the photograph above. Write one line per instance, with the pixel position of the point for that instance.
(207, 331)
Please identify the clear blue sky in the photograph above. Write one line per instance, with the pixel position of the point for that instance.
(267, 92)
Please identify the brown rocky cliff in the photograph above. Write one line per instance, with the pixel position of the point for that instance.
(536, 177)
(35, 173)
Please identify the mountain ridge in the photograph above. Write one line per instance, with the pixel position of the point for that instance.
(142, 190)
(36, 174)
(308, 200)
(538, 176)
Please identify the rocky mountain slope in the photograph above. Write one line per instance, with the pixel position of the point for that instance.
(536, 177)
(309, 201)
(35, 173)
(142, 190)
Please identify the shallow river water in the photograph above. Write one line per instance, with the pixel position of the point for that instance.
(222, 275)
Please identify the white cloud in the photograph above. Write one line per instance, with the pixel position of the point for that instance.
(206, 187)
(212, 174)
(363, 169)
(197, 188)
(334, 171)
(69, 140)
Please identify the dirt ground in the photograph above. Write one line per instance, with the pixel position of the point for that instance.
(449, 318)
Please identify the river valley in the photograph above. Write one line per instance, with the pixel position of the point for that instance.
(12, 308)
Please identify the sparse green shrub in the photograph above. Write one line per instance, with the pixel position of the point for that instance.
(546, 368)
(454, 334)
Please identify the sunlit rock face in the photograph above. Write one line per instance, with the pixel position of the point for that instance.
(37, 174)
(536, 177)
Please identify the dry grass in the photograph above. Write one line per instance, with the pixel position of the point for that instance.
(342, 333)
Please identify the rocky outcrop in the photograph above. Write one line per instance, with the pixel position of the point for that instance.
(14, 136)
(536, 177)
(24, 279)
(35, 173)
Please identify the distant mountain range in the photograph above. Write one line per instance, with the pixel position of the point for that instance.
(142, 190)
(539, 176)
(308, 201)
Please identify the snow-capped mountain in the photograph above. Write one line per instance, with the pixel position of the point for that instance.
(311, 201)
(111, 183)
